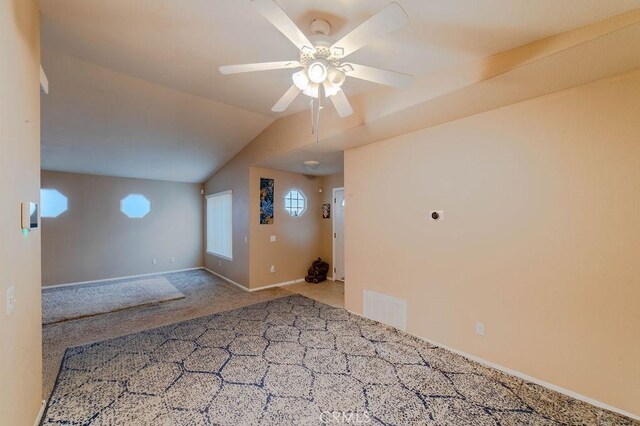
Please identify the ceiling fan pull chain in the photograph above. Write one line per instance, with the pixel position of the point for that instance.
(313, 131)
(318, 119)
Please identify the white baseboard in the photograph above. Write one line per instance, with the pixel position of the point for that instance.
(229, 280)
(299, 280)
(121, 278)
(257, 288)
(40, 413)
(526, 377)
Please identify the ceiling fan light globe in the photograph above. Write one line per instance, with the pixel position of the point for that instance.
(336, 77)
(317, 71)
(300, 79)
(312, 90)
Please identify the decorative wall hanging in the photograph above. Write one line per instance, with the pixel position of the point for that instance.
(266, 201)
(326, 211)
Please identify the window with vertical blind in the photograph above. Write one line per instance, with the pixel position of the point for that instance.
(219, 224)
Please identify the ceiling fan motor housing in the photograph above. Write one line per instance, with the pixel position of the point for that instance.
(322, 44)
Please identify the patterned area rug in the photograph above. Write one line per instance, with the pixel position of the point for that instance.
(294, 361)
(72, 302)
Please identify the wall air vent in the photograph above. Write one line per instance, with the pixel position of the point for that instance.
(385, 309)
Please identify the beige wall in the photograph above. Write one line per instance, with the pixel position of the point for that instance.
(20, 341)
(546, 66)
(326, 225)
(539, 239)
(94, 240)
(297, 238)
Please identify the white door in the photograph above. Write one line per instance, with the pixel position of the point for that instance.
(338, 234)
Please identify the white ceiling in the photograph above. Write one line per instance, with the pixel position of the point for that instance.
(331, 162)
(180, 44)
(98, 121)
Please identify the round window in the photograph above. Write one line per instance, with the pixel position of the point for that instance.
(295, 202)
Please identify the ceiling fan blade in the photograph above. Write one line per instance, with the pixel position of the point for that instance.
(286, 99)
(377, 75)
(274, 14)
(262, 66)
(342, 104)
(388, 19)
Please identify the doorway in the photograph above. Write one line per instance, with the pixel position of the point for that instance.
(338, 234)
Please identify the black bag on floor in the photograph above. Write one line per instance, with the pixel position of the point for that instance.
(318, 271)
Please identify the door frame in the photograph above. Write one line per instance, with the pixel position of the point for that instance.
(333, 230)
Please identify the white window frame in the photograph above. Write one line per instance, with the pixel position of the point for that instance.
(209, 250)
(304, 198)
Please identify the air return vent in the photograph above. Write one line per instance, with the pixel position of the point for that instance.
(386, 309)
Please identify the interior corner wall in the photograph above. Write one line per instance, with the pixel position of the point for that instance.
(94, 240)
(21, 341)
(283, 135)
(232, 176)
(539, 239)
(326, 225)
(297, 238)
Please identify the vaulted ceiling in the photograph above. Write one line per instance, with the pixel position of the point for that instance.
(135, 89)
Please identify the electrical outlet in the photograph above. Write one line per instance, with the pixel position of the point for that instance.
(219, 262)
(480, 328)
(154, 261)
(273, 269)
(172, 259)
(11, 300)
(272, 238)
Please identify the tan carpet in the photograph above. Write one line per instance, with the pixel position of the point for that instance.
(67, 303)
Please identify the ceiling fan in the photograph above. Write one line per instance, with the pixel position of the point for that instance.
(321, 57)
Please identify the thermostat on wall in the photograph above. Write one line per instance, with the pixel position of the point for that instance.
(29, 216)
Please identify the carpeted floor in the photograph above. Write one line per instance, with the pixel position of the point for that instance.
(72, 302)
(293, 360)
(204, 292)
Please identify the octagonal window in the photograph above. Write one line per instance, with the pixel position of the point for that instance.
(52, 203)
(135, 206)
(295, 203)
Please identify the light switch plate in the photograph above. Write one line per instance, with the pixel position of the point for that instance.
(272, 238)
